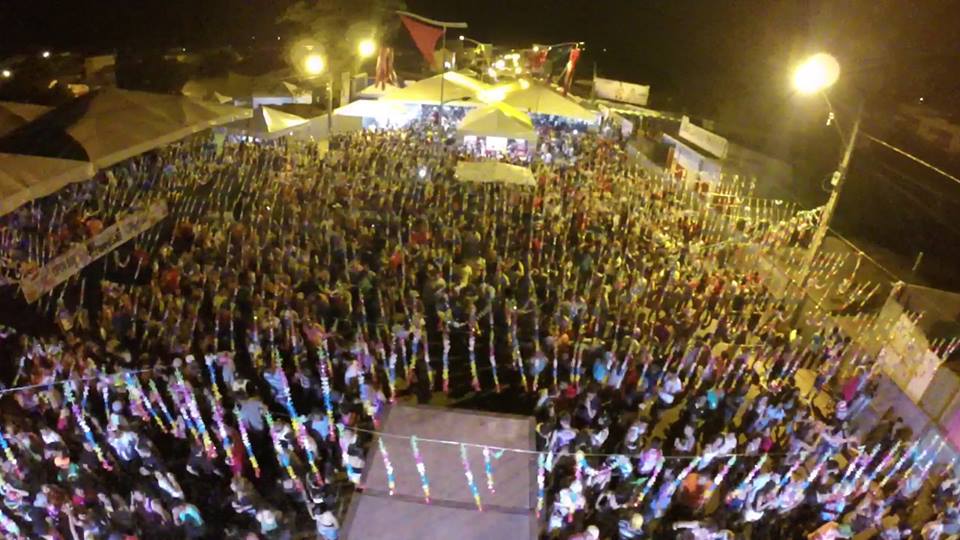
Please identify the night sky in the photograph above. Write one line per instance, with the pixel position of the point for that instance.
(710, 55)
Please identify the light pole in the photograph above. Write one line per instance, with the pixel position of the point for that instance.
(814, 76)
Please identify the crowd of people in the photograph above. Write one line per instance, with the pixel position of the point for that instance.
(221, 374)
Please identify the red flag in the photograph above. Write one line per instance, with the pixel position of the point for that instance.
(424, 35)
(385, 72)
(571, 67)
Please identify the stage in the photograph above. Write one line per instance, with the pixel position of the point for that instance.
(508, 513)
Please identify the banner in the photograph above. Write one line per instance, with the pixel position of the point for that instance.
(624, 92)
(711, 142)
(56, 272)
(77, 257)
(424, 36)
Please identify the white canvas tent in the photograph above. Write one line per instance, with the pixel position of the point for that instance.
(13, 115)
(495, 172)
(110, 125)
(537, 99)
(374, 91)
(458, 89)
(269, 122)
(498, 120)
(25, 178)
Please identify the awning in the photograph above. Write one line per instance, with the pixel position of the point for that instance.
(498, 120)
(25, 178)
(495, 172)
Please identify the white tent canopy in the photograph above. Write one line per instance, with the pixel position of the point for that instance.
(110, 125)
(494, 172)
(537, 99)
(268, 121)
(25, 178)
(498, 120)
(14, 115)
(458, 89)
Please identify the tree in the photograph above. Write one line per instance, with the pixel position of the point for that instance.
(339, 25)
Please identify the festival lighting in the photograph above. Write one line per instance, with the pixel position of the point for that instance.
(492, 73)
(500, 64)
(524, 84)
(816, 73)
(313, 64)
(6, 73)
(366, 48)
(45, 54)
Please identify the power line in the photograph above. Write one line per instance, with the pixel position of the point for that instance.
(912, 157)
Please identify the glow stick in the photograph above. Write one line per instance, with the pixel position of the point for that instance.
(421, 468)
(471, 484)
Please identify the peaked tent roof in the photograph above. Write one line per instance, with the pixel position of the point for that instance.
(538, 99)
(14, 115)
(498, 120)
(267, 120)
(25, 178)
(110, 125)
(456, 87)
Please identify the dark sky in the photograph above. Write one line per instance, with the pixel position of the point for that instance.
(718, 57)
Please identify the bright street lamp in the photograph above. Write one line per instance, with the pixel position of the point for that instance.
(816, 74)
(6, 73)
(366, 48)
(313, 64)
(45, 54)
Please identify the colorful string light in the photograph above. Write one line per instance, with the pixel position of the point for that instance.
(718, 479)
(388, 467)
(421, 468)
(68, 390)
(541, 482)
(488, 469)
(282, 458)
(193, 409)
(297, 422)
(158, 398)
(468, 473)
(8, 452)
(216, 403)
(471, 353)
(325, 386)
(446, 359)
(245, 437)
(137, 394)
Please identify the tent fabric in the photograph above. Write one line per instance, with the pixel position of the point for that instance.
(110, 125)
(25, 178)
(498, 120)
(269, 120)
(366, 108)
(494, 171)
(374, 91)
(539, 99)
(13, 115)
(456, 88)
(241, 87)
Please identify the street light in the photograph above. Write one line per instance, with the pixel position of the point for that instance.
(45, 54)
(366, 48)
(6, 73)
(814, 76)
(313, 64)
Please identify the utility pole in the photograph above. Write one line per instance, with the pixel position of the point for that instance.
(838, 177)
